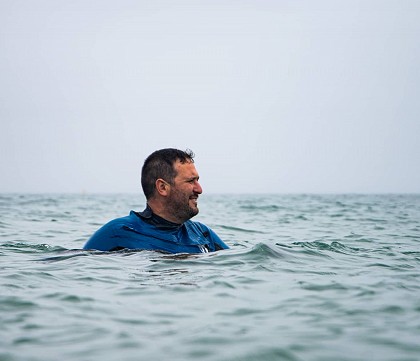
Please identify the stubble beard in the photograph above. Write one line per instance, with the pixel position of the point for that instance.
(179, 205)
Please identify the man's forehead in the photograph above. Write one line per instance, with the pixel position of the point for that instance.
(186, 168)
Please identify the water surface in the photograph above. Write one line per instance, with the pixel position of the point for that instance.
(308, 277)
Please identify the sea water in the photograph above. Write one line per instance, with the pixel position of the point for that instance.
(308, 277)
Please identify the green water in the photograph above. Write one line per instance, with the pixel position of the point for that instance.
(308, 277)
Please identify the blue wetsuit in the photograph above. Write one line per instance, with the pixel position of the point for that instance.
(147, 231)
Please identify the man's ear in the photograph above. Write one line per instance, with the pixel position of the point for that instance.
(162, 187)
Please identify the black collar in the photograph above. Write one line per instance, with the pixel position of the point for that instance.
(149, 217)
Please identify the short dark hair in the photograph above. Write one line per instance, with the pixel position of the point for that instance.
(160, 164)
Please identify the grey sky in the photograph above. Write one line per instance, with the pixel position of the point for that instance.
(272, 96)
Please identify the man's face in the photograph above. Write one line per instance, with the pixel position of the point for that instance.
(184, 192)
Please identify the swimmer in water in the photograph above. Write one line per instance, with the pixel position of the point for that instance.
(170, 184)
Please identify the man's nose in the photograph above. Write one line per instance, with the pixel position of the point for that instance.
(197, 188)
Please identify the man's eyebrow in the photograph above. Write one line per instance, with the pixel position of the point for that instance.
(194, 177)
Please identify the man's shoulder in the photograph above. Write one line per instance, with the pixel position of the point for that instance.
(208, 233)
(129, 220)
(131, 217)
(198, 227)
(195, 224)
(109, 235)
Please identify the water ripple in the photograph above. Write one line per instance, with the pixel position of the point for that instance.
(308, 277)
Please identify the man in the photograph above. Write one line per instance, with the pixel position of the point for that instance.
(170, 183)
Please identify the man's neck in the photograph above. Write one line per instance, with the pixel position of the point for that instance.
(159, 210)
(150, 217)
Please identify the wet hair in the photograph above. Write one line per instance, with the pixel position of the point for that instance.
(160, 164)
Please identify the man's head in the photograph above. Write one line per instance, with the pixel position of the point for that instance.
(170, 184)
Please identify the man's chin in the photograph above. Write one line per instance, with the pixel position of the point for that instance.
(194, 211)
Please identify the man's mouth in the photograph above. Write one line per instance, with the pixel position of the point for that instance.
(194, 199)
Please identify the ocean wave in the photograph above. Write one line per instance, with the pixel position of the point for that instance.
(333, 246)
(238, 229)
(23, 247)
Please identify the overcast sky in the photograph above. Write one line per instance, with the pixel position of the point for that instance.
(273, 96)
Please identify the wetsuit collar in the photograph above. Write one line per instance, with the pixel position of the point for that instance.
(149, 217)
